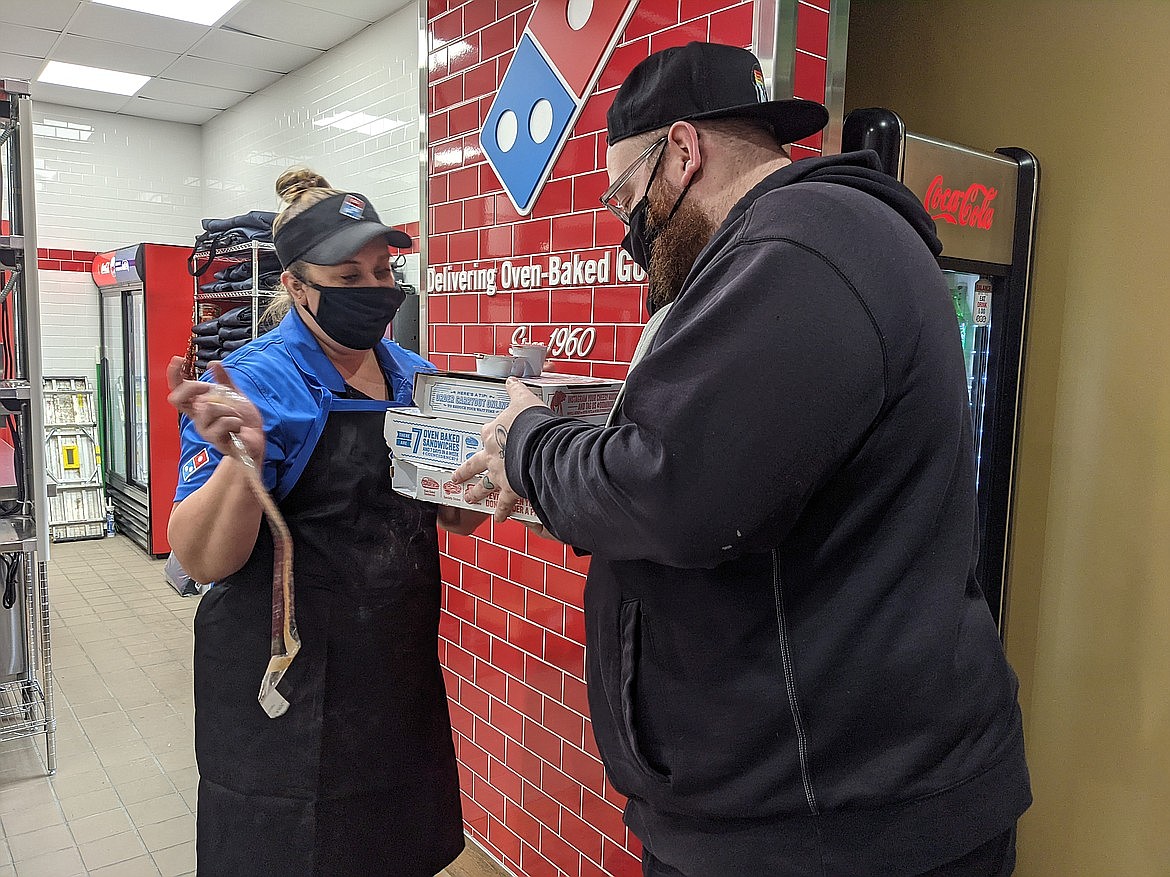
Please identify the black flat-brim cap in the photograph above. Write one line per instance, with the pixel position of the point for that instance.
(705, 81)
(332, 230)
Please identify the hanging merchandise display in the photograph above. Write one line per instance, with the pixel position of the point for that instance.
(229, 309)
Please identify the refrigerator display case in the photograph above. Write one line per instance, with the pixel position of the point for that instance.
(984, 207)
(145, 320)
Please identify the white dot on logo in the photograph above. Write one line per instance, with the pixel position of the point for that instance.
(540, 121)
(506, 128)
(579, 12)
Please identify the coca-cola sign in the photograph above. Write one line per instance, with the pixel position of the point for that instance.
(116, 266)
(970, 195)
(972, 207)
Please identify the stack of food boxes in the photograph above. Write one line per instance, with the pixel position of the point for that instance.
(429, 442)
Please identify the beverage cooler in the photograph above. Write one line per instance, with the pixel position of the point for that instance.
(145, 320)
(984, 206)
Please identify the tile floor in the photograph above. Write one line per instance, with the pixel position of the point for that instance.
(123, 801)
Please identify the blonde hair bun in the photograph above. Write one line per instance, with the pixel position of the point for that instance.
(296, 181)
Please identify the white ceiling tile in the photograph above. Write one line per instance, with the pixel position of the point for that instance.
(220, 74)
(19, 66)
(112, 56)
(51, 14)
(187, 93)
(367, 10)
(135, 28)
(77, 97)
(197, 70)
(32, 41)
(226, 45)
(167, 111)
(299, 25)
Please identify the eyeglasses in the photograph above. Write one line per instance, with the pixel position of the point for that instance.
(609, 198)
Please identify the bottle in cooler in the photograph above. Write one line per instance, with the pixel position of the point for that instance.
(966, 321)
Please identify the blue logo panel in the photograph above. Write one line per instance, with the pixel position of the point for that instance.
(526, 124)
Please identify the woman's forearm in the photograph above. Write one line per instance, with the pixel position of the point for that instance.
(213, 531)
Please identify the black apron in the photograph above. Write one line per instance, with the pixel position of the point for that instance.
(359, 776)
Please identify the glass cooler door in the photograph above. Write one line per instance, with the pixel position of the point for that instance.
(139, 425)
(114, 347)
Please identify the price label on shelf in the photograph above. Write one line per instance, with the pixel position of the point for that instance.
(982, 313)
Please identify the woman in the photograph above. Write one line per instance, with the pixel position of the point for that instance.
(359, 775)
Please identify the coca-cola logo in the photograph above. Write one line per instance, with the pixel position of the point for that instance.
(430, 483)
(970, 207)
(109, 269)
(103, 269)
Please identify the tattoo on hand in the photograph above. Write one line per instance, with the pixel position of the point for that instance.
(502, 438)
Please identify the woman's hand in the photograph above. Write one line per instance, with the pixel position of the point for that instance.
(461, 522)
(217, 410)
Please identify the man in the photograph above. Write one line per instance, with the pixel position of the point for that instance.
(792, 670)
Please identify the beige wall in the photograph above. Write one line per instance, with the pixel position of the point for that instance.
(1084, 86)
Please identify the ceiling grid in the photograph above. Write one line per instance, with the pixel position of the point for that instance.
(195, 71)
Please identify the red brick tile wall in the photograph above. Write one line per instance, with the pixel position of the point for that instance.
(512, 631)
(64, 260)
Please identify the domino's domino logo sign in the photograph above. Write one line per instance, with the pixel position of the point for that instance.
(557, 63)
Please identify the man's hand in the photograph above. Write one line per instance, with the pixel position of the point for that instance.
(490, 460)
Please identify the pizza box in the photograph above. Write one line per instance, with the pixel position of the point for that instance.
(480, 398)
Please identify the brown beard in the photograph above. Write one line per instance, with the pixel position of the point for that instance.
(678, 244)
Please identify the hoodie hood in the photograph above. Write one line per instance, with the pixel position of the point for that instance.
(857, 170)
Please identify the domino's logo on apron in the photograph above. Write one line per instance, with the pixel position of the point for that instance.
(557, 63)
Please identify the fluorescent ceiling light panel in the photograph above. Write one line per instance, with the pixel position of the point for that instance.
(92, 78)
(206, 12)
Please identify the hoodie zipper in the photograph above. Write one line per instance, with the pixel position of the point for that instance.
(790, 684)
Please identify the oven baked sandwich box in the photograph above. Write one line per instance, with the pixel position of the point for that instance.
(429, 442)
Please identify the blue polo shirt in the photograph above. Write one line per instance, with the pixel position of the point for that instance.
(295, 386)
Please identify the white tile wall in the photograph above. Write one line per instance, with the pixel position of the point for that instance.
(303, 119)
(106, 181)
(69, 324)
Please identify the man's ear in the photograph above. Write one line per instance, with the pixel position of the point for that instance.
(684, 137)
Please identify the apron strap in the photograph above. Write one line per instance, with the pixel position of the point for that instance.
(649, 332)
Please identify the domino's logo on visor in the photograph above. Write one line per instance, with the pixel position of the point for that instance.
(352, 206)
(557, 63)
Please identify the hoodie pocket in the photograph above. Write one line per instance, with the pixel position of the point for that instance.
(631, 650)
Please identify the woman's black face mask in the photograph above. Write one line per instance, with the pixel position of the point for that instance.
(356, 316)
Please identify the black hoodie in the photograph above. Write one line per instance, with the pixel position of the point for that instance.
(791, 667)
